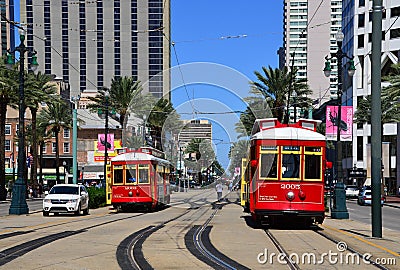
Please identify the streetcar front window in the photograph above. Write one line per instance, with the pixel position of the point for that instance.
(268, 167)
(130, 174)
(312, 166)
(118, 176)
(290, 165)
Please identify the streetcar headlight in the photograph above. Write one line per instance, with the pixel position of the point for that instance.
(302, 195)
(290, 196)
(130, 193)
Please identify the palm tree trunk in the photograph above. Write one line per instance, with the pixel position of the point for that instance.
(34, 148)
(41, 163)
(3, 111)
(57, 156)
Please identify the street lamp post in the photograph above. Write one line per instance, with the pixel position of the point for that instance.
(74, 140)
(107, 96)
(339, 207)
(18, 203)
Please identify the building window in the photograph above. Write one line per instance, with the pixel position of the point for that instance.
(66, 133)
(8, 129)
(395, 33)
(394, 12)
(7, 145)
(66, 147)
(361, 20)
(53, 147)
(361, 3)
(360, 41)
(359, 148)
(44, 149)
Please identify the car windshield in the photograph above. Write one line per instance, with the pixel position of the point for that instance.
(64, 190)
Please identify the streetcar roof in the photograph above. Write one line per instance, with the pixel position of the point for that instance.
(288, 133)
(138, 156)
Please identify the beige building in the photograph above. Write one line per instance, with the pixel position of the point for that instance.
(309, 36)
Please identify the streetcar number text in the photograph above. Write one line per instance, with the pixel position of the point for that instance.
(290, 186)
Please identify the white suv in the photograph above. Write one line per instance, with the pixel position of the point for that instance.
(66, 198)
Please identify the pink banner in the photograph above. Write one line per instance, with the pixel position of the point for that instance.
(346, 123)
(101, 141)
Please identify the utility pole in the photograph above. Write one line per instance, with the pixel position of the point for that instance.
(106, 96)
(74, 140)
(376, 118)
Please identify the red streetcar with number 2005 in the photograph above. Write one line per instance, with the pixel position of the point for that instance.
(285, 172)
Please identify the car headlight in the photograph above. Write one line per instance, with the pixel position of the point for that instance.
(72, 200)
(47, 200)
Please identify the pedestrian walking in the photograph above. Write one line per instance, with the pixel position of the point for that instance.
(218, 188)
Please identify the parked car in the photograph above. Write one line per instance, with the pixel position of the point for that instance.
(365, 197)
(352, 191)
(66, 198)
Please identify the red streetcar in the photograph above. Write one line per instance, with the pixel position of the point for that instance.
(285, 172)
(140, 178)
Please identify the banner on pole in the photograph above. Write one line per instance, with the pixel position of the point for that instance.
(101, 142)
(332, 122)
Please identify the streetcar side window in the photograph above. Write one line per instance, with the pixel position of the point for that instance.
(143, 174)
(290, 165)
(312, 166)
(130, 174)
(268, 167)
(118, 176)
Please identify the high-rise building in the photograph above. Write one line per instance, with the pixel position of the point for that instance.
(195, 129)
(6, 27)
(87, 43)
(357, 29)
(309, 36)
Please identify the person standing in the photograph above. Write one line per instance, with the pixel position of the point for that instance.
(218, 188)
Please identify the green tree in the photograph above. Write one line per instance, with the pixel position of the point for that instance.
(8, 96)
(237, 152)
(37, 90)
(56, 116)
(124, 94)
(278, 85)
(204, 154)
(163, 119)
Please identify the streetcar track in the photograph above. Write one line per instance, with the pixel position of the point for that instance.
(370, 260)
(198, 242)
(130, 254)
(7, 234)
(14, 252)
(292, 265)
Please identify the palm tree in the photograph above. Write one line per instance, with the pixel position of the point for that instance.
(278, 85)
(163, 119)
(237, 152)
(37, 90)
(204, 154)
(124, 93)
(56, 116)
(8, 96)
(257, 108)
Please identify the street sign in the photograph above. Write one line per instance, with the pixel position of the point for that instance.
(357, 173)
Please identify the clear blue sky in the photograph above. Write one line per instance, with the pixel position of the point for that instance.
(240, 35)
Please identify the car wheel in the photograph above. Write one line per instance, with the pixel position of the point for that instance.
(45, 213)
(86, 211)
(78, 211)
